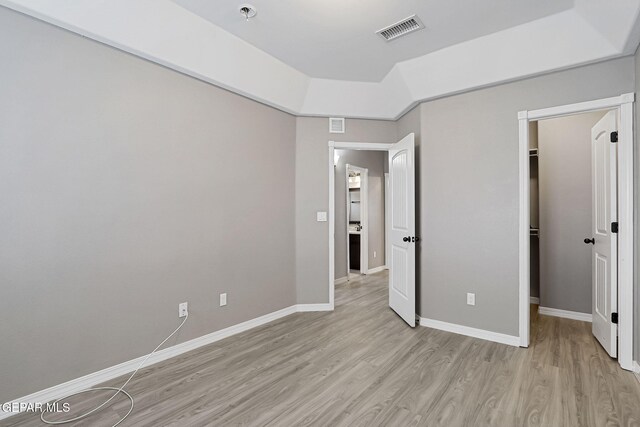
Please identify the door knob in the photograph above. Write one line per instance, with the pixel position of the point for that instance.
(591, 240)
(406, 239)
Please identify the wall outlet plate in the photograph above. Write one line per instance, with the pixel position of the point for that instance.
(471, 299)
(321, 216)
(223, 299)
(183, 309)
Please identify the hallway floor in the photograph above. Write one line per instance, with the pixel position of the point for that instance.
(361, 365)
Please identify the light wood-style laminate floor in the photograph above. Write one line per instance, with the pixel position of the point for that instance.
(362, 366)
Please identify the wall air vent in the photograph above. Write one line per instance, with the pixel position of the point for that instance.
(402, 28)
(336, 125)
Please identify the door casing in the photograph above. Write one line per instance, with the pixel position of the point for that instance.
(335, 145)
(624, 105)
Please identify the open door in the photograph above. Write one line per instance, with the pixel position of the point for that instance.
(402, 266)
(604, 238)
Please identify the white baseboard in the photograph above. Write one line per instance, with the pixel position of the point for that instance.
(340, 281)
(90, 380)
(585, 317)
(471, 332)
(534, 300)
(636, 370)
(301, 308)
(376, 269)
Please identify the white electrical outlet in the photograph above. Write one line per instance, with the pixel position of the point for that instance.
(471, 299)
(182, 309)
(375, 254)
(223, 299)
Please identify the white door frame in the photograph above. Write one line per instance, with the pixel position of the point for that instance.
(387, 215)
(334, 145)
(624, 105)
(364, 217)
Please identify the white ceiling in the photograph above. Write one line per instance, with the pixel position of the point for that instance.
(168, 34)
(335, 39)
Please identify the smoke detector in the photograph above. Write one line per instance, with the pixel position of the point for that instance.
(248, 11)
(401, 28)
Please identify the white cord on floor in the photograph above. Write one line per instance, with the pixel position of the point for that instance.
(117, 390)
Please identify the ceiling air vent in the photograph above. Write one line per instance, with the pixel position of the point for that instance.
(402, 28)
(336, 125)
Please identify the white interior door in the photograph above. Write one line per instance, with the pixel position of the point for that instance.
(604, 252)
(402, 266)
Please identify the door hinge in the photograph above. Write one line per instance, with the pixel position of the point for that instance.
(614, 227)
(614, 136)
(614, 318)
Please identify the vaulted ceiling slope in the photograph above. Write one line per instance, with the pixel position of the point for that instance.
(323, 58)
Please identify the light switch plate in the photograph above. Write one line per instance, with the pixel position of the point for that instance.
(223, 299)
(321, 216)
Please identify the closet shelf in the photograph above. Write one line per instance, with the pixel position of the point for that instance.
(534, 231)
(533, 152)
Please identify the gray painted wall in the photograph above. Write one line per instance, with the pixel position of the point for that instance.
(312, 195)
(126, 189)
(373, 161)
(564, 161)
(470, 238)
